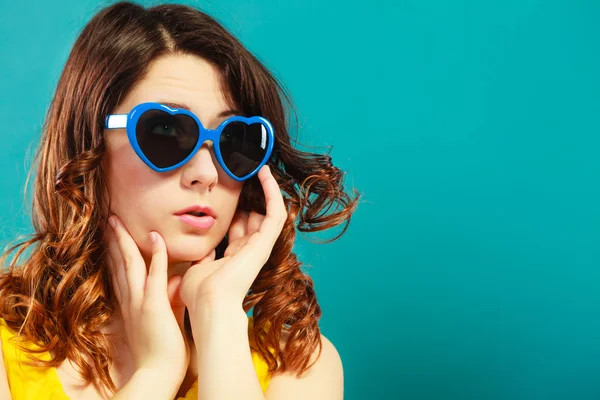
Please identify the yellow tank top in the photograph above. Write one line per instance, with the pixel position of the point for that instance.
(34, 383)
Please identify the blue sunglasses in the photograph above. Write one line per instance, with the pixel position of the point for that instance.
(166, 138)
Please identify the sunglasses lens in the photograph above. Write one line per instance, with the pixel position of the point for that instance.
(166, 139)
(243, 146)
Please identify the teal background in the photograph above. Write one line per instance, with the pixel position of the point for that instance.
(471, 268)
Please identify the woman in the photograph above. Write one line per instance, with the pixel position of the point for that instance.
(160, 222)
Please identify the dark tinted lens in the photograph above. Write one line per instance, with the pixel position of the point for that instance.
(166, 139)
(243, 146)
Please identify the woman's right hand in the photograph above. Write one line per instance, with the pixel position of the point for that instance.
(151, 309)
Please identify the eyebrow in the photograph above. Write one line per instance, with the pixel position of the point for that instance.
(222, 114)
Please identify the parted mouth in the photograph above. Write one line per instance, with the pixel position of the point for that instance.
(198, 211)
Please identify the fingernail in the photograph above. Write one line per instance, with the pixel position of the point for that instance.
(112, 222)
(152, 237)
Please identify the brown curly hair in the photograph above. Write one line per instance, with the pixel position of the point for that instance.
(61, 296)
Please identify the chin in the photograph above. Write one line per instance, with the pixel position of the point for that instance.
(186, 256)
(192, 249)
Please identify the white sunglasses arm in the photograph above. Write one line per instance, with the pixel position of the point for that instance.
(116, 121)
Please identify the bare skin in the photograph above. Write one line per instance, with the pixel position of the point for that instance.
(145, 200)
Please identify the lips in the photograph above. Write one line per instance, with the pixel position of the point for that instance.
(204, 222)
(198, 211)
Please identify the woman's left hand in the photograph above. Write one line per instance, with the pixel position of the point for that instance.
(251, 240)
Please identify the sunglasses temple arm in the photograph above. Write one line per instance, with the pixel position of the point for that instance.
(116, 121)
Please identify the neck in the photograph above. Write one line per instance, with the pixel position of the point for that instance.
(174, 267)
(178, 268)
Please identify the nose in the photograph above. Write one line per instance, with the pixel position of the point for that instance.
(201, 170)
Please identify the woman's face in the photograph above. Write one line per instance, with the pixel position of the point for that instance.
(146, 200)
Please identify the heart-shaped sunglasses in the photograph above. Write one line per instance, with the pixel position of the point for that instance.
(166, 138)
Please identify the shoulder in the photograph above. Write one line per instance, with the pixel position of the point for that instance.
(324, 380)
(4, 387)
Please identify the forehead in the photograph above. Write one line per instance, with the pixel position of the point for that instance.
(183, 79)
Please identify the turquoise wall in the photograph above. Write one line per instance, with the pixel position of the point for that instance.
(471, 269)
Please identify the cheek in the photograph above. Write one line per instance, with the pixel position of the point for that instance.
(228, 200)
(132, 189)
(143, 200)
(126, 175)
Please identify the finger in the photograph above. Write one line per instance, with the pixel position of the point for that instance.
(254, 222)
(113, 279)
(132, 262)
(235, 247)
(276, 212)
(194, 275)
(239, 225)
(115, 268)
(157, 273)
(210, 257)
(251, 253)
(177, 304)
